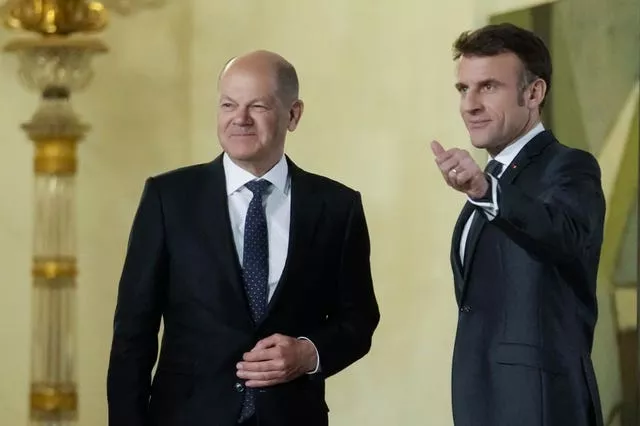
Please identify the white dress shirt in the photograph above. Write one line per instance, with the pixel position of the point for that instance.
(277, 205)
(490, 208)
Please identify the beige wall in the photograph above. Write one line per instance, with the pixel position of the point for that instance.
(377, 81)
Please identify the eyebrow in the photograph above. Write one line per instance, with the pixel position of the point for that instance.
(253, 101)
(493, 81)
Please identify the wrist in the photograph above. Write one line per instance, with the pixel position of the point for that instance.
(482, 189)
(309, 355)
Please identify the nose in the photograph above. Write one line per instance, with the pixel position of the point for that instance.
(471, 103)
(242, 117)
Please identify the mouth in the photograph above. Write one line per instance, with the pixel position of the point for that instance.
(478, 124)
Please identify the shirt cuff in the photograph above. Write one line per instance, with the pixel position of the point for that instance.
(317, 369)
(489, 203)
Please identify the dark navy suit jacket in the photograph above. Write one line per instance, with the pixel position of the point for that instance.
(182, 266)
(527, 295)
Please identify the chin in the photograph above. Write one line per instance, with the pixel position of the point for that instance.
(242, 150)
(482, 138)
(480, 143)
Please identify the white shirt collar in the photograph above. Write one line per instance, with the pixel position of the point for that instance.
(507, 155)
(236, 177)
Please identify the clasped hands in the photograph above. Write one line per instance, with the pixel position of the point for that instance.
(276, 359)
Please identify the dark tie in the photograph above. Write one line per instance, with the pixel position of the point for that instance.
(493, 168)
(255, 268)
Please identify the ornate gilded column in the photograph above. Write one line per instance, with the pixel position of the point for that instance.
(56, 67)
(56, 63)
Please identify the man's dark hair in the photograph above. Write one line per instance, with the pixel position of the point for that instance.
(495, 39)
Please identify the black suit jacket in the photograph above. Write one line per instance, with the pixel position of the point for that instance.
(181, 265)
(527, 295)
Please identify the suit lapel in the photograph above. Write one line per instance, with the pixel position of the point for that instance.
(526, 155)
(456, 263)
(532, 149)
(213, 215)
(306, 209)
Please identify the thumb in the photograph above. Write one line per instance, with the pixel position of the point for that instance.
(436, 148)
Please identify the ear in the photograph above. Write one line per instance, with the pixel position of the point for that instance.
(295, 112)
(537, 92)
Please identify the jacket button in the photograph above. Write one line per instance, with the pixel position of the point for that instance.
(465, 309)
(239, 387)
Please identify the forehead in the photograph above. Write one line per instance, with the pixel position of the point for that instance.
(247, 83)
(505, 67)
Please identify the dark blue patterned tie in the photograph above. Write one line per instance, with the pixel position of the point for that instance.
(255, 268)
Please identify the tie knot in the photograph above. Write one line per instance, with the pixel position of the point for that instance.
(258, 187)
(493, 168)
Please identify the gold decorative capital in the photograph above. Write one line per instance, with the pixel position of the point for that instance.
(55, 17)
(55, 156)
(53, 399)
(52, 268)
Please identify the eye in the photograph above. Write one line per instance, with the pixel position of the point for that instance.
(488, 87)
(259, 106)
(226, 105)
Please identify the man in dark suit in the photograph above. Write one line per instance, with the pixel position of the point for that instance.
(259, 270)
(526, 246)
